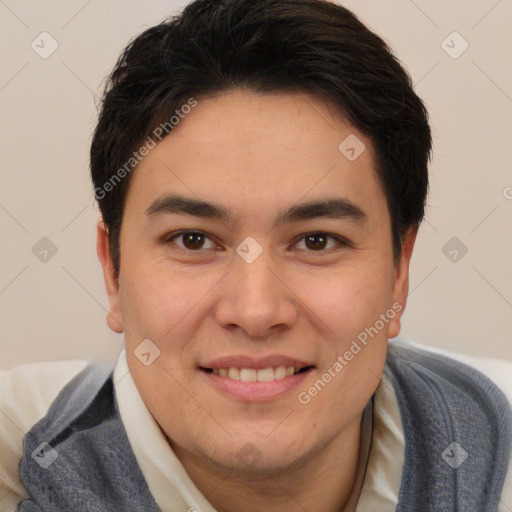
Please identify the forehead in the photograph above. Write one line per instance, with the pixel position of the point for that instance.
(247, 149)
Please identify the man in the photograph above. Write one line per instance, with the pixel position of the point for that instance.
(261, 170)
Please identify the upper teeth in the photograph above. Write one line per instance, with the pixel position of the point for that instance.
(253, 375)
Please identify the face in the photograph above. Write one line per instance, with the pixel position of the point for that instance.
(270, 307)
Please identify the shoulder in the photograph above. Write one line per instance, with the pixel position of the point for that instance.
(27, 390)
(26, 393)
(499, 371)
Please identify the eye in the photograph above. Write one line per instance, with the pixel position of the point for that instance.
(318, 241)
(195, 241)
(190, 240)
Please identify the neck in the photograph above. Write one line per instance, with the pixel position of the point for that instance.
(325, 481)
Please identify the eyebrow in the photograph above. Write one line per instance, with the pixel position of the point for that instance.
(333, 208)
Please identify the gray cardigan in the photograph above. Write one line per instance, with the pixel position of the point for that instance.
(457, 426)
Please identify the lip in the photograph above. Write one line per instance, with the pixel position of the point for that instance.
(255, 391)
(244, 361)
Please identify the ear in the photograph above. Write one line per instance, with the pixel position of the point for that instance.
(401, 283)
(114, 316)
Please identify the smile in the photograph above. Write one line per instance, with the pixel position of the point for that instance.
(250, 379)
(254, 375)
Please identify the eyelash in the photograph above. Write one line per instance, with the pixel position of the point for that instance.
(167, 239)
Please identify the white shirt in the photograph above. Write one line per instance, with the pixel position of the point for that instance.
(27, 391)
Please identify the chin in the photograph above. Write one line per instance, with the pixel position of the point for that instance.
(257, 455)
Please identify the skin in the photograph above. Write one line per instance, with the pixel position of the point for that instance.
(257, 154)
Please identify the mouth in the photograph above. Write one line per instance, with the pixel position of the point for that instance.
(252, 380)
(268, 374)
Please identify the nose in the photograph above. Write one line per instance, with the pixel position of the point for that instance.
(256, 298)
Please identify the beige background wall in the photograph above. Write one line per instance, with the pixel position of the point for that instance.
(56, 309)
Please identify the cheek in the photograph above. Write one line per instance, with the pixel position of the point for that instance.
(164, 302)
(347, 299)
(152, 302)
(349, 304)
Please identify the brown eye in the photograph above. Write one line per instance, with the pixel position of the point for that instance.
(190, 240)
(318, 242)
(193, 240)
